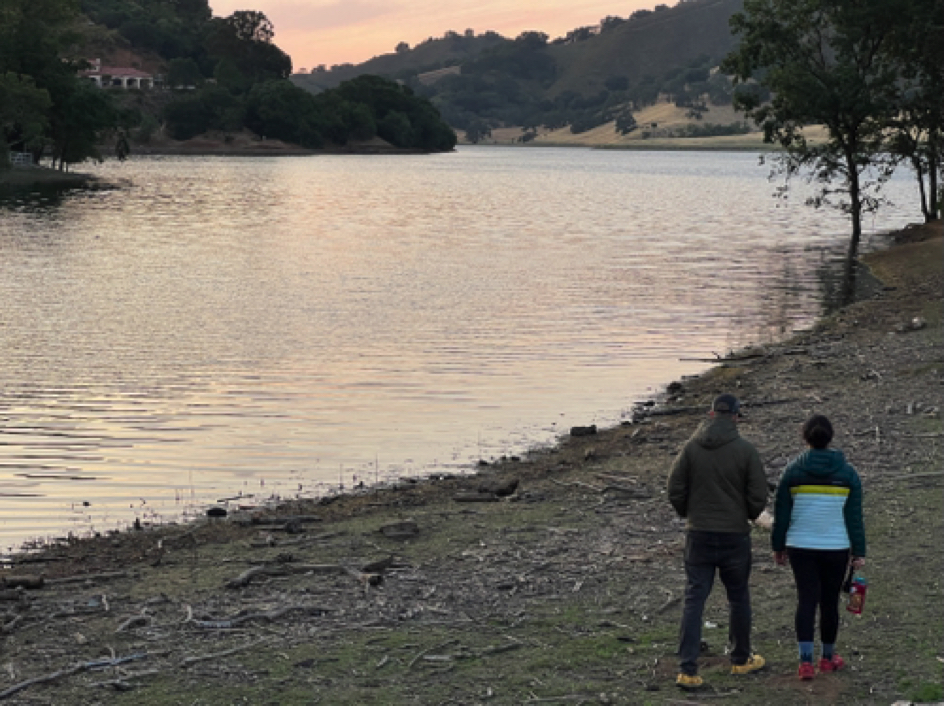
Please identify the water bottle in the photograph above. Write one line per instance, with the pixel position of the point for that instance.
(857, 595)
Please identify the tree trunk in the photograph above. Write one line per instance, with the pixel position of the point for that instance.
(934, 168)
(919, 172)
(855, 198)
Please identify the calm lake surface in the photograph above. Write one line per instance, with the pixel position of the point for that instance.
(281, 326)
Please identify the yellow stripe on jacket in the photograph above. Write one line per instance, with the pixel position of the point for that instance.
(819, 490)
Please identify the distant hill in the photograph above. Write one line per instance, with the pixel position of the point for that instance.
(648, 45)
(587, 78)
(450, 50)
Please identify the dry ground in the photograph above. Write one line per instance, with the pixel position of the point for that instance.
(667, 116)
(566, 591)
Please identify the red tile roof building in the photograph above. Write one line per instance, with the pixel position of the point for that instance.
(116, 77)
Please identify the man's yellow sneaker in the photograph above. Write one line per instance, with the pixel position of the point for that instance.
(689, 681)
(753, 663)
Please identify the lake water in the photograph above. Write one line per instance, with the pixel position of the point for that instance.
(282, 326)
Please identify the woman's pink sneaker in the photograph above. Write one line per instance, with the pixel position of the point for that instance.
(831, 665)
(806, 671)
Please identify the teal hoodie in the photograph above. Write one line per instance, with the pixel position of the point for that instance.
(819, 504)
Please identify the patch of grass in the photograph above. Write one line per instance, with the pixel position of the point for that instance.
(925, 369)
(927, 693)
(932, 314)
(902, 264)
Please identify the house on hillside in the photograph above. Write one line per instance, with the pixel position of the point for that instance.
(118, 77)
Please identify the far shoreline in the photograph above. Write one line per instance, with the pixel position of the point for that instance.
(39, 176)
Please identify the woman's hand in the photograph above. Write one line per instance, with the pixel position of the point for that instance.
(858, 562)
(780, 558)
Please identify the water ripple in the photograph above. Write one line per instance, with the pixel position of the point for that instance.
(277, 326)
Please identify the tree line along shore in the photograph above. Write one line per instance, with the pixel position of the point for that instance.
(553, 577)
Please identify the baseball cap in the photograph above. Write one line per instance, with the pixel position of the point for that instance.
(727, 404)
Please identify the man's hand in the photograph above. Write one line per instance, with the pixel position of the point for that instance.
(780, 558)
(858, 562)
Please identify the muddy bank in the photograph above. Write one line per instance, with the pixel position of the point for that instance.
(43, 177)
(555, 577)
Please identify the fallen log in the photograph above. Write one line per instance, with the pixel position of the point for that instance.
(269, 616)
(400, 530)
(25, 581)
(249, 574)
(475, 498)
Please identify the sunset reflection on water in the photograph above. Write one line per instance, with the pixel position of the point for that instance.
(281, 326)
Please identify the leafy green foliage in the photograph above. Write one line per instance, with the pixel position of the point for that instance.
(49, 105)
(825, 63)
(402, 118)
(183, 71)
(916, 132)
(171, 29)
(626, 123)
(280, 110)
(79, 115)
(357, 110)
(23, 109)
(477, 131)
(245, 40)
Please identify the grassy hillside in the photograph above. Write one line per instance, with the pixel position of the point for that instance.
(674, 128)
(583, 80)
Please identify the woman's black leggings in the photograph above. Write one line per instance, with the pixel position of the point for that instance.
(819, 574)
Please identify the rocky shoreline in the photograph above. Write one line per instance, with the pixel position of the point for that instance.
(556, 577)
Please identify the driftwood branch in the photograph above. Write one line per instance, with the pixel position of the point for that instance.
(672, 601)
(910, 476)
(74, 669)
(578, 484)
(133, 622)
(122, 683)
(246, 577)
(229, 623)
(82, 578)
(423, 653)
(189, 661)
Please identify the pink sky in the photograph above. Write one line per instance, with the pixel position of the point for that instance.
(337, 31)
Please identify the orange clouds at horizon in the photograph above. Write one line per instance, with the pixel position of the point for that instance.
(332, 32)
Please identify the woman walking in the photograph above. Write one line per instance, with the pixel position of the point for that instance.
(818, 526)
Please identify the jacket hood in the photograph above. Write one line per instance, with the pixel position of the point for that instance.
(716, 432)
(821, 462)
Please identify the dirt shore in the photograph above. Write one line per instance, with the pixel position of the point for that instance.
(35, 176)
(554, 578)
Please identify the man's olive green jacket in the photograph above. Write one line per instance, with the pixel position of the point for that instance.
(717, 481)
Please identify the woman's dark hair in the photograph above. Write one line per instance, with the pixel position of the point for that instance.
(818, 431)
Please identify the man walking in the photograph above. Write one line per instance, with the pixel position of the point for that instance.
(717, 483)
